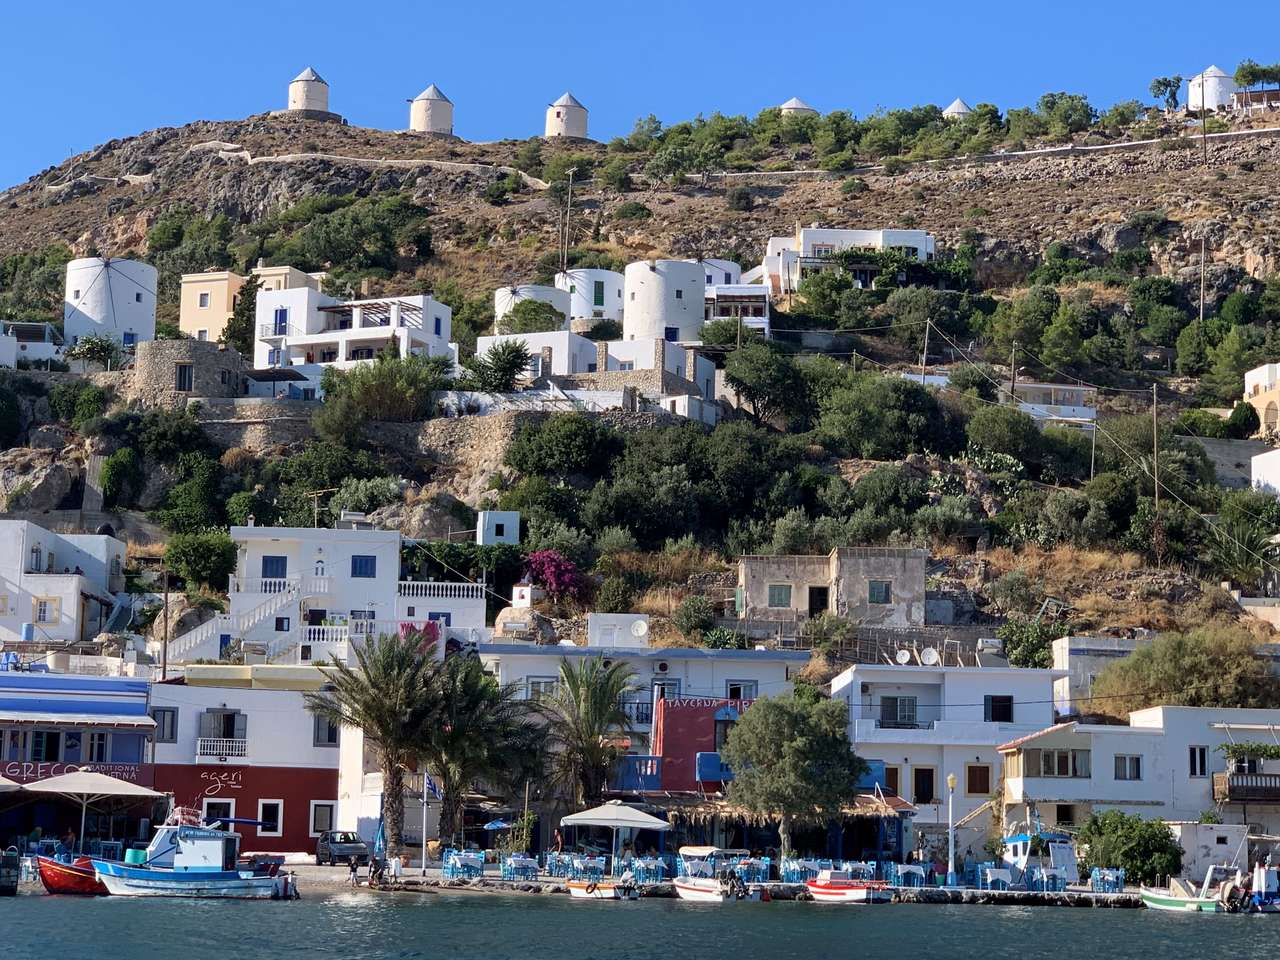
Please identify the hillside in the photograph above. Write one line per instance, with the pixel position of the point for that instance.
(108, 198)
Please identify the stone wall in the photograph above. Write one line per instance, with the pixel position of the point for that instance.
(257, 424)
(216, 371)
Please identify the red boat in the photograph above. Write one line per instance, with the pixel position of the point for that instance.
(76, 877)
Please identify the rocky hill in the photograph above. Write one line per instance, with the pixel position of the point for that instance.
(108, 198)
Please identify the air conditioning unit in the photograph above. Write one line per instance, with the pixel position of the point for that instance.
(661, 667)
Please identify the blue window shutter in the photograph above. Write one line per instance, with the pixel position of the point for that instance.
(364, 567)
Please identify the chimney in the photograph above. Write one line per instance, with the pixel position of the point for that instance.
(602, 356)
(365, 285)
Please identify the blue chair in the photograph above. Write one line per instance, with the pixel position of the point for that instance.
(452, 868)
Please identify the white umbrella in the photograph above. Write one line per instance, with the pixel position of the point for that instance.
(7, 785)
(617, 816)
(88, 787)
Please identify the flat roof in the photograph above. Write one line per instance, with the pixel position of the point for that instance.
(643, 653)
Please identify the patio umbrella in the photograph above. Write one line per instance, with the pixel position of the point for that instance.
(617, 816)
(87, 787)
(497, 825)
(7, 785)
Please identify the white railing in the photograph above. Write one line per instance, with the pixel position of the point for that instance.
(234, 623)
(261, 584)
(327, 634)
(268, 330)
(432, 589)
(221, 747)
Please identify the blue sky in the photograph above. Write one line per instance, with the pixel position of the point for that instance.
(76, 74)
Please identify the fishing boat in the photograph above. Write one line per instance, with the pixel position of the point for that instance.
(1225, 890)
(841, 886)
(77, 877)
(710, 875)
(622, 888)
(194, 861)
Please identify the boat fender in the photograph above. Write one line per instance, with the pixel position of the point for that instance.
(764, 895)
(591, 887)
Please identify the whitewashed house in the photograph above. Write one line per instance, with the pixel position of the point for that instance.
(56, 587)
(303, 331)
(1166, 763)
(304, 595)
(788, 259)
(928, 722)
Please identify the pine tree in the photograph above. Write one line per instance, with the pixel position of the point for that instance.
(238, 332)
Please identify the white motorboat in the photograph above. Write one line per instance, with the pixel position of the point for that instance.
(841, 886)
(621, 888)
(708, 875)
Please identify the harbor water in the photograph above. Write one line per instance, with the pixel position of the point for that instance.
(462, 926)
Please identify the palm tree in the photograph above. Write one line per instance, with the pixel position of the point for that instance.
(585, 720)
(1242, 552)
(388, 696)
(479, 731)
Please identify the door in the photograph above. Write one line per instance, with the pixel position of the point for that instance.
(275, 568)
(315, 618)
(819, 600)
(922, 785)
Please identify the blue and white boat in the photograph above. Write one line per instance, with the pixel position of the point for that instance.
(194, 861)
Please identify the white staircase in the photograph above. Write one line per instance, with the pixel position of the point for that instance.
(202, 643)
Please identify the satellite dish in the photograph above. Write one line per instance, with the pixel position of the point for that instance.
(903, 657)
(929, 657)
(639, 628)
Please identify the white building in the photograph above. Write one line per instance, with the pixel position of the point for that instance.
(56, 587)
(109, 297)
(431, 112)
(309, 92)
(594, 294)
(1211, 90)
(658, 672)
(927, 722)
(618, 630)
(1073, 405)
(569, 353)
(566, 117)
(497, 526)
(239, 741)
(36, 343)
(745, 302)
(303, 595)
(956, 109)
(306, 330)
(795, 107)
(665, 300)
(1166, 763)
(1264, 472)
(506, 298)
(788, 259)
(8, 351)
(720, 272)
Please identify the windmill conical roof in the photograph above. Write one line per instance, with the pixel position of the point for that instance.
(957, 106)
(567, 100)
(433, 93)
(795, 103)
(1213, 70)
(310, 74)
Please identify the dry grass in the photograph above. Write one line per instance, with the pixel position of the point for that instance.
(1062, 566)
(660, 601)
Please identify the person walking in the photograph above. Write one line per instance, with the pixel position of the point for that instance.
(353, 866)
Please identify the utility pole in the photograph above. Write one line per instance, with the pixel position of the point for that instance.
(568, 212)
(1013, 373)
(164, 647)
(1202, 267)
(924, 357)
(1155, 449)
(1204, 128)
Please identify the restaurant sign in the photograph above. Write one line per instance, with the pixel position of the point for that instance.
(28, 771)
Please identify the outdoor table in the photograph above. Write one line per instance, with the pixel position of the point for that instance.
(910, 870)
(523, 868)
(470, 862)
(995, 875)
(592, 866)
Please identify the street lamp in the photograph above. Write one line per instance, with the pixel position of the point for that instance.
(951, 830)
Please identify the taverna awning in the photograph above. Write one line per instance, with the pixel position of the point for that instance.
(87, 786)
(617, 815)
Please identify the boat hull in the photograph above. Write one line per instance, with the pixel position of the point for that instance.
(78, 878)
(124, 881)
(706, 890)
(1155, 899)
(604, 890)
(853, 892)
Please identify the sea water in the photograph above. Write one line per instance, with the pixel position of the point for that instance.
(461, 926)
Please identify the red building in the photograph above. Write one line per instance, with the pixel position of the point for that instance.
(688, 733)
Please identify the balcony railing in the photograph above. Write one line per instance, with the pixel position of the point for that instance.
(635, 774)
(325, 634)
(311, 586)
(709, 768)
(638, 711)
(268, 331)
(221, 748)
(437, 590)
(1246, 787)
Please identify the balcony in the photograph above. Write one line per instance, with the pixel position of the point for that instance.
(639, 712)
(272, 331)
(710, 769)
(1246, 787)
(221, 749)
(636, 774)
(310, 586)
(438, 590)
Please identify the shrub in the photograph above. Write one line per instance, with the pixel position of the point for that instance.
(722, 638)
(892, 166)
(604, 330)
(121, 478)
(558, 536)
(694, 616)
(852, 186)
(555, 573)
(391, 388)
(1243, 422)
(613, 540)
(740, 198)
(632, 210)
(364, 496)
(1015, 593)
(1027, 643)
(1005, 430)
(562, 446)
(247, 503)
(77, 403)
(531, 316)
(207, 558)
(614, 596)
(1145, 849)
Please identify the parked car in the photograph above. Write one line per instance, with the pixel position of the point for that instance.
(339, 846)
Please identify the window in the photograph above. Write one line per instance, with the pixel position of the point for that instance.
(274, 568)
(364, 567)
(46, 745)
(679, 294)
(183, 377)
(879, 591)
(282, 624)
(626, 365)
(1062, 763)
(273, 357)
(666, 689)
(1128, 767)
(671, 334)
(998, 709)
(212, 809)
(137, 298)
(1064, 814)
(722, 732)
(204, 301)
(499, 529)
(597, 294)
(321, 816)
(98, 747)
(130, 338)
(1198, 761)
(1245, 765)
(977, 779)
(270, 818)
(46, 609)
(539, 687)
(922, 783)
(75, 294)
(741, 689)
(281, 321)
(898, 712)
(437, 327)
(325, 733)
(779, 596)
(204, 335)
